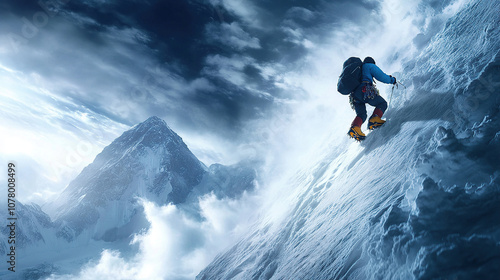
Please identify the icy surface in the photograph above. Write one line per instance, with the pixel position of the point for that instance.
(419, 199)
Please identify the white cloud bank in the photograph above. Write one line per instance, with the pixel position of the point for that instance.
(176, 246)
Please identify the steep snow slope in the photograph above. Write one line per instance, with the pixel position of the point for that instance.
(31, 223)
(419, 199)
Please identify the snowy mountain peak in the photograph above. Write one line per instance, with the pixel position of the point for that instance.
(152, 138)
(148, 161)
(154, 125)
(153, 120)
(150, 133)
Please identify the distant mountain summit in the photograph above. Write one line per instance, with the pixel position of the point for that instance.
(148, 161)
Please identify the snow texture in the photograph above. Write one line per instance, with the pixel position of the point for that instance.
(419, 199)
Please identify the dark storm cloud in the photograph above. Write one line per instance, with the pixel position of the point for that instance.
(276, 23)
(20, 7)
(175, 27)
(201, 64)
(283, 30)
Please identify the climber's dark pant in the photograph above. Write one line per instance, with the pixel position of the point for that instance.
(360, 106)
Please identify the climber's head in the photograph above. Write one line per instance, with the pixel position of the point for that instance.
(369, 59)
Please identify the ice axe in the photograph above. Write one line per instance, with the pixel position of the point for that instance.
(395, 85)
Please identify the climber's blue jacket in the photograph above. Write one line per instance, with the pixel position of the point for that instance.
(371, 71)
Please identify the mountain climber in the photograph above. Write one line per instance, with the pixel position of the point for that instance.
(366, 92)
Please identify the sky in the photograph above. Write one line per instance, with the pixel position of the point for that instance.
(236, 79)
(233, 78)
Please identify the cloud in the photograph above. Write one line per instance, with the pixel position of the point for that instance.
(300, 13)
(231, 35)
(229, 68)
(246, 10)
(91, 71)
(176, 245)
(110, 266)
(51, 137)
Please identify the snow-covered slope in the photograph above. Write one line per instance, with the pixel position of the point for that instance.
(31, 225)
(419, 199)
(35, 238)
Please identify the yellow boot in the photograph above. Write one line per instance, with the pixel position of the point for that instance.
(374, 122)
(356, 133)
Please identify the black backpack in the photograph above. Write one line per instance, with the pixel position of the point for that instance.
(350, 78)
